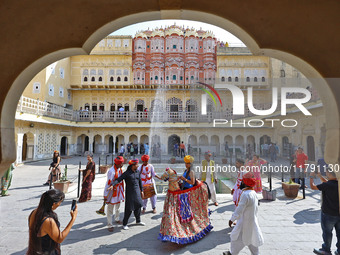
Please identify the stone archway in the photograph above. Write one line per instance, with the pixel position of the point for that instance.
(285, 45)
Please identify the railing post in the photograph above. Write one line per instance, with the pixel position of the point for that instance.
(37, 106)
(99, 165)
(79, 179)
(51, 178)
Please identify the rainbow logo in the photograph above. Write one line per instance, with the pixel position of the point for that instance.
(204, 97)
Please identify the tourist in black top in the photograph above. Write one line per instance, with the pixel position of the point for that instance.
(133, 192)
(330, 217)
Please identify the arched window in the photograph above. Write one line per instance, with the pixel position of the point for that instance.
(248, 79)
(100, 79)
(156, 78)
(126, 72)
(167, 78)
(282, 73)
(118, 79)
(125, 78)
(85, 78)
(229, 79)
(255, 79)
(181, 78)
(236, 79)
(93, 72)
(111, 78)
(191, 77)
(151, 78)
(119, 72)
(85, 72)
(223, 79)
(174, 77)
(93, 79)
(263, 79)
(111, 72)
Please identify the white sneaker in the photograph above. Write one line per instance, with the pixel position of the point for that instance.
(141, 223)
(125, 227)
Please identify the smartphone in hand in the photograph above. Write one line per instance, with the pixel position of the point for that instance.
(73, 206)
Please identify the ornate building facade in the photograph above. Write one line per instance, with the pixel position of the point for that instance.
(148, 89)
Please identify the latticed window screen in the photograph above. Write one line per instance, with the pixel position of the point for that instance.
(174, 101)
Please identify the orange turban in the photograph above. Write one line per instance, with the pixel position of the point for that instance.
(133, 162)
(119, 160)
(145, 158)
(249, 179)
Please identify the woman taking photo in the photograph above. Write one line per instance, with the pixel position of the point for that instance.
(55, 168)
(44, 233)
(88, 178)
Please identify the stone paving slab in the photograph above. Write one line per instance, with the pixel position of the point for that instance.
(290, 226)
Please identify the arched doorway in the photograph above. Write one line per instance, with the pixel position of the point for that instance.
(63, 146)
(111, 144)
(310, 148)
(286, 147)
(86, 144)
(28, 147)
(172, 140)
(24, 147)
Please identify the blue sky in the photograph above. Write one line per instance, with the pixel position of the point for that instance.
(220, 33)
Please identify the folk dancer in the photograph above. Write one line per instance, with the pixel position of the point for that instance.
(254, 166)
(147, 173)
(114, 197)
(236, 191)
(188, 176)
(208, 175)
(247, 231)
(133, 192)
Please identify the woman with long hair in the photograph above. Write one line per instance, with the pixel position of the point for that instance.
(44, 233)
(55, 168)
(88, 178)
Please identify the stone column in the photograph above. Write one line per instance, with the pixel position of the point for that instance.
(20, 138)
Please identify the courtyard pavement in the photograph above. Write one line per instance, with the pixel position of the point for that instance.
(289, 226)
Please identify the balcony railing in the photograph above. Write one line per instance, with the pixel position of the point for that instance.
(32, 106)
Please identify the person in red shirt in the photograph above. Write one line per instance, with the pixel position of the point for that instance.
(301, 161)
(182, 147)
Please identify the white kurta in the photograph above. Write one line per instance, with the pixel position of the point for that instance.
(120, 187)
(147, 174)
(237, 191)
(247, 224)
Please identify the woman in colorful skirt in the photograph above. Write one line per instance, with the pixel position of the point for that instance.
(254, 166)
(185, 215)
(88, 178)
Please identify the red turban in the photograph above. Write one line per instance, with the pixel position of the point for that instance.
(145, 158)
(133, 162)
(249, 179)
(119, 160)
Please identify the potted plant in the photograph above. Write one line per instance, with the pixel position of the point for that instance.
(63, 183)
(172, 160)
(290, 189)
(103, 169)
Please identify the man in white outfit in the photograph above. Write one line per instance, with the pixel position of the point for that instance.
(247, 231)
(208, 175)
(116, 195)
